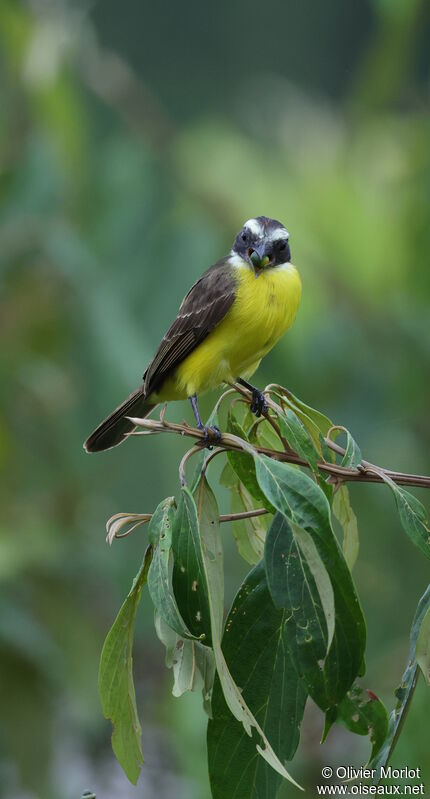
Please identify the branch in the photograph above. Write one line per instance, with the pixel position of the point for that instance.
(229, 442)
(245, 514)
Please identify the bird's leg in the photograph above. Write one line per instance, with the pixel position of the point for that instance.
(212, 434)
(258, 404)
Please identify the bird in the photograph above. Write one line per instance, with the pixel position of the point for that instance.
(229, 320)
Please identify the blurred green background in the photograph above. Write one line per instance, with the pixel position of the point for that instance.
(135, 139)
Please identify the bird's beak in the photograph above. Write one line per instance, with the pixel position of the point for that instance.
(259, 257)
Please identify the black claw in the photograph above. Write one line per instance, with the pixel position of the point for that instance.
(258, 404)
(212, 435)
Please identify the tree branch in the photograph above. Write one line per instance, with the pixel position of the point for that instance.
(228, 442)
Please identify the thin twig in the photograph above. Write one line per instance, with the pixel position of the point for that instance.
(210, 457)
(245, 514)
(183, 463)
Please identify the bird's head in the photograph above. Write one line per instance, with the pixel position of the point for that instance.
(263, 243)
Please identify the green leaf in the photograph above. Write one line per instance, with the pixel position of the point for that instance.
(412, 514)
(160, 536)
(342, 509)
(193, 664)
(228, 477)
(184, 667)
(303, 503)
(318, 418)
(167, 636)
(188, 578)
(249, 533)
(263, 434)
(232, 693)
(244, 467)
(299, 438)
(254, 647)
(317, 423)
(352, 456)
(211, 549)
(301, 441)
(205, 662)
(116, 686)
(299, 583)
(422, 652)
(364, 714)
(404, 692)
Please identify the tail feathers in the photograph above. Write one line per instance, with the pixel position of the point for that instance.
(114, 429)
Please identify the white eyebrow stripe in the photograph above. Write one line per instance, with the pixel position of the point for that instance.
(254, 226)
(279, 233)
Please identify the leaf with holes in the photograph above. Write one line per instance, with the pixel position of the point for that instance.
(255, 650)
(160, 536)
(188, 580)
(302, 502)
(299, 583)
(363, 713)
(208, 536)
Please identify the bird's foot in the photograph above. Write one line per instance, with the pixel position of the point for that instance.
(211, 435)
(259, 403)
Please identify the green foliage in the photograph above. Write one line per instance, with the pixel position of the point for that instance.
(364, 714)
(299, 583)
(412, 516)
(249, 533)
(189, 583)
(422, 650)
(299, 438)
(160, 537)
(207, 532)
(295, 628)
(244, 467)
(116, 686)
(256, 651)
(405, 690)
(346, 517)
(102, 208)
(352, 454)
(301, 501)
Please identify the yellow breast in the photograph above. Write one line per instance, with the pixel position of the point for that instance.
(264, 308)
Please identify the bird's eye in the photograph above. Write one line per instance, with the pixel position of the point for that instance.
(244, 236)
(282, 246)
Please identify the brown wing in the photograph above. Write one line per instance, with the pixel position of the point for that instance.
(205, 305)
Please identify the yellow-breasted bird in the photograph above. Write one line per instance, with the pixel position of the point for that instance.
(228, 321)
